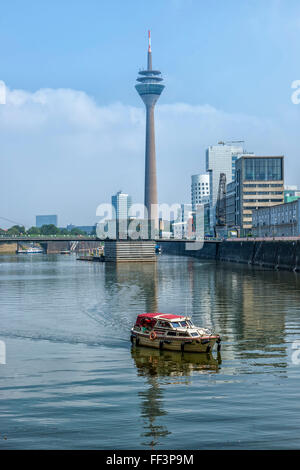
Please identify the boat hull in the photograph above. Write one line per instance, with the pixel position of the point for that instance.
(178, 344)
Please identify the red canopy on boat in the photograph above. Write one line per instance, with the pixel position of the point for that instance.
(156, 316)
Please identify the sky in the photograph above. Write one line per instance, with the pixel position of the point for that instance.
(72, 131)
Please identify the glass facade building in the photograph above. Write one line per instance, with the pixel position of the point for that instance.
(220, 158)
(41, 220)
(263, 169)
(259, 183)
(121, 203)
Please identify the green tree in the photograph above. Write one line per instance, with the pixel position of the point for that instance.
(77, 231)
(16, 230)
(49, 229)
(33, 231)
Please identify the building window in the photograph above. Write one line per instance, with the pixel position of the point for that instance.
(259, 169)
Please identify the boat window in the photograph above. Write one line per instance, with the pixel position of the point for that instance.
(184, 323)
(175, 324)
(171, 333)
(164, 324)
(181, 334)
(194, 334)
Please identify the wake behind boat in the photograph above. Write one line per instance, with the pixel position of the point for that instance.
(172, 332)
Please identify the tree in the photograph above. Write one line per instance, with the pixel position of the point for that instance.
(49, 229)
(33, 231)
(16, 230)
(77, 231)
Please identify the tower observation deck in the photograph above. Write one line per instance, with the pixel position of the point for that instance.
(149, 87)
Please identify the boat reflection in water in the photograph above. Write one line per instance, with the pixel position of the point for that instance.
(163, 368)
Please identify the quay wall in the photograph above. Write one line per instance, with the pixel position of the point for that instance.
(206, 250)
(273, 254)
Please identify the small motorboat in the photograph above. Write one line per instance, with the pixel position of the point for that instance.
(172, 332)
(30, 251)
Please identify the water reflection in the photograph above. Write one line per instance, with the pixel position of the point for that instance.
(237, 301)
(140, 278)
(161, 368)
(247, 306)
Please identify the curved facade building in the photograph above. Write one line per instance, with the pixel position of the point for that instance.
(199, 190)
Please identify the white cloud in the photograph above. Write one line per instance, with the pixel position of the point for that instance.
(63, 153)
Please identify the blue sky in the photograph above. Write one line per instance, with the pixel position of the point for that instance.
(228, 68)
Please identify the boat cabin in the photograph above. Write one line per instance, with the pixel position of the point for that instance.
(147, 321)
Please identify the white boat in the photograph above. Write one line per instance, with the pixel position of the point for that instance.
(172, 332)
(29, 251)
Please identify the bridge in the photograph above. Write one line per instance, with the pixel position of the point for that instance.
(83, 238)
(82, 243)
(47, 238)
(50, 243)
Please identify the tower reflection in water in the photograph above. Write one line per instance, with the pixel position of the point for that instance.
(133, 285)
(163, 368)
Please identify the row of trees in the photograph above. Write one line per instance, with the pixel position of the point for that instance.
(44, 230)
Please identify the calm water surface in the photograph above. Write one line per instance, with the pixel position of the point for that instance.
(72, 380)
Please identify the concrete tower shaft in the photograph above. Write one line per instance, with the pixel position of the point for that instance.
(150, 88)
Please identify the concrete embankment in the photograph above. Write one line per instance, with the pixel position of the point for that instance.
(273, 254)
(206, 250)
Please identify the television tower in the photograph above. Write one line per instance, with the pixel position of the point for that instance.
(150, 88)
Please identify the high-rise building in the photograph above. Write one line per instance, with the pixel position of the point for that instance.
(259, 183)
(150, 88)
(184, 212)
(182, 227)
(41, 220)
(230, 205)
(121, 203)
(199, 189)
(220, 158)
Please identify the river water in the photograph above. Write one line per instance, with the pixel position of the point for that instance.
(71, 379)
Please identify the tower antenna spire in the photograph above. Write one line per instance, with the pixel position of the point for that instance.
(149, 51)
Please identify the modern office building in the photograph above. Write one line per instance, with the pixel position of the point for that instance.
(184, 212)
(150, 88)
(199, 189)
(41, 220)
(230, 205)
(182, 227)
(220, 158)
(259, 183)
(282, 220)
(121, 203)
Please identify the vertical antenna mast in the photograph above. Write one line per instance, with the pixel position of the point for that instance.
(149, 51)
